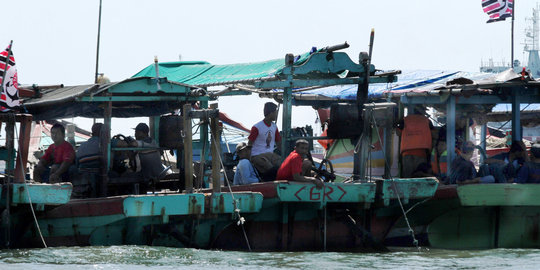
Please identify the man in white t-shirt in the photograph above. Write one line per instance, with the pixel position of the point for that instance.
(262, 139)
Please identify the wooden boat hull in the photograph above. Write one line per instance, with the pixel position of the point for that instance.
(278, 215)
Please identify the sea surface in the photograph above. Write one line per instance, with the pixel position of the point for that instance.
(144, 257)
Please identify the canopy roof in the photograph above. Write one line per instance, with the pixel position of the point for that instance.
(203, 74)
(132, 97)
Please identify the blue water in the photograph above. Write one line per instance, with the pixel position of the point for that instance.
(143, 257)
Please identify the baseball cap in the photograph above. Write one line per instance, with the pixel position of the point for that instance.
(241, 146)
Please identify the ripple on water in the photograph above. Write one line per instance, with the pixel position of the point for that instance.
(144, 257)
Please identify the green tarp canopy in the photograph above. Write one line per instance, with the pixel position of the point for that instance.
(205, 74)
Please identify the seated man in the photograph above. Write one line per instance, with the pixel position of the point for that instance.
(296, 167)
(150, 160)
(463, 170)
(59, 156)
(530, 172)
(88, 160)
(245, 172)
(263, 137)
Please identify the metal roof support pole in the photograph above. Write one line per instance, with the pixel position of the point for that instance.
(516, 116)
(450, 130)
(483, 135)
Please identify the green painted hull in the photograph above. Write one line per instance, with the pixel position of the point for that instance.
(490, 216)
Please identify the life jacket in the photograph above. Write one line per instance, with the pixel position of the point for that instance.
(439, 163)
(416, 133)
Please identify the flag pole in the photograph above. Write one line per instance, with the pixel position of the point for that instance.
(6, 67)
(513, 12)
(97, 50)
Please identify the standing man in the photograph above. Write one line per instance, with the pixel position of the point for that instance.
(262, 139)
(297, 167)
(415, 132)
(59, 156)
(245, 172)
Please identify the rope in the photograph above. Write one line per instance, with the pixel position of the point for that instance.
(241, 219)
(411, 231)
(28, 194)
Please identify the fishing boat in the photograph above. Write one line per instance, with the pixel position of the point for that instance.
(181, 210)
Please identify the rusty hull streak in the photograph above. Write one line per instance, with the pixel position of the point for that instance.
(194, 208)
(138, 207)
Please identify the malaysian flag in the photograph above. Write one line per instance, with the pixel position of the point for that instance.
(498, 10)
(9, 97)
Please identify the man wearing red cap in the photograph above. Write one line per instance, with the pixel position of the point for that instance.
(262, 139)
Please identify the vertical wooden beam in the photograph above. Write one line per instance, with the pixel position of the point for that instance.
(105, 149)
(450, 130)
(154, 128)
(216, 151)
(188, 149)
(24, 143)
(10, 146)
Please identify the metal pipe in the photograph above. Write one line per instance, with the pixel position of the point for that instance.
(336, 47)
(98, 38)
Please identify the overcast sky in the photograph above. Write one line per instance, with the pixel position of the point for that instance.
(55, 41)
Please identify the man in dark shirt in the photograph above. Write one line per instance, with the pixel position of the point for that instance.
(530, 172)
(463, 170)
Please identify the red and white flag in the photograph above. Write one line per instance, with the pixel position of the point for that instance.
(498, 10)
(9, 97)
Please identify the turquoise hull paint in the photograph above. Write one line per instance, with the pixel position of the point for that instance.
(164, 205)
(330, 193)
(40, 194)
(246, 202)
(406, 189)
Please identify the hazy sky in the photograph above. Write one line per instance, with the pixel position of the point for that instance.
(55, 41)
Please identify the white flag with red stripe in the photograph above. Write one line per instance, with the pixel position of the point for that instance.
(9, 98)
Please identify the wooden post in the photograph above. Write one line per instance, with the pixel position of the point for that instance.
(216, 152)
(105, 149)
(24, 143)
(516, 124)
(450, 131)
(188, 149)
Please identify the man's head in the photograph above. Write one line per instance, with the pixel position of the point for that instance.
(467, 150)
(243, 150)
(96, 129)
(302, 147)
(141, 131)
(270, 111)
(58, 133)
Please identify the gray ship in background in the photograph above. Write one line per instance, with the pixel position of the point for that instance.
(531, 46)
